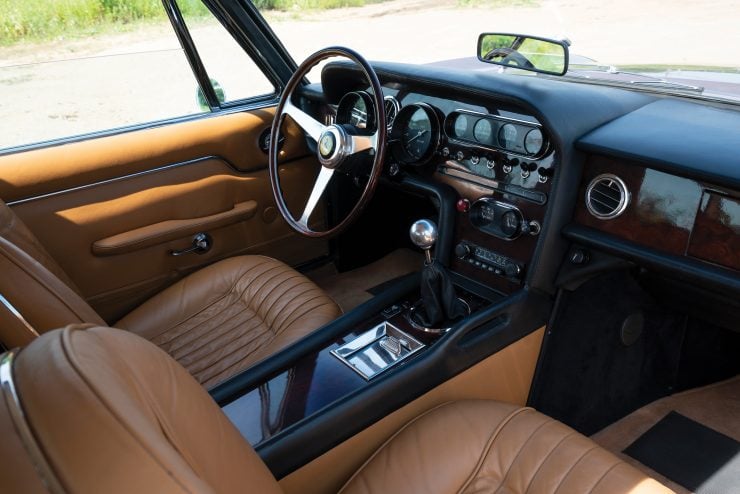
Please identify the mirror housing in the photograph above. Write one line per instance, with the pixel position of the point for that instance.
(521, 51)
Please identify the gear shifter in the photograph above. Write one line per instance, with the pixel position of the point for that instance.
(439, 303)
(423, 234)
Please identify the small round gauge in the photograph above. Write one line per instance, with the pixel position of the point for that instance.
(483, 131)
(507, 135)
(461, 125)
(392, 107)
(356, 109)
(416, 134)
(533, 142)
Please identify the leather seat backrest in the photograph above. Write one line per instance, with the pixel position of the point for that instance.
(35, 286)
(113, 413)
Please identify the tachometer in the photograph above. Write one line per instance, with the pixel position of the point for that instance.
(356, 109)
(416, 134)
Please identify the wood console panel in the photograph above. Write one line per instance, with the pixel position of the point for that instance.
(671, 214)
(318, 380)
(716, 235)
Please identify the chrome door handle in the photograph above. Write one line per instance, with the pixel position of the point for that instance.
(202, 243)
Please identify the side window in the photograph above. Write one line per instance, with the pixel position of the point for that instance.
(109, 65)
(233, 74)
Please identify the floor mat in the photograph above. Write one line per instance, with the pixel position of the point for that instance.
(716, 406)
(351, 288)
(689, 453)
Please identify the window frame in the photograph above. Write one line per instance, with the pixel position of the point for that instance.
(239, 32)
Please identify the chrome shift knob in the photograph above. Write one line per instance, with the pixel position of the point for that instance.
(423, 234)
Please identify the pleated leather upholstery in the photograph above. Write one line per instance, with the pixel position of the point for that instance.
(489, 447)
(232, 314)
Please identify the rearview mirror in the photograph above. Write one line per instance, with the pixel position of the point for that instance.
(520, 51)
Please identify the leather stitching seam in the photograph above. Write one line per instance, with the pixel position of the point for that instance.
(572, 467)
(522, 448)
(547, 457)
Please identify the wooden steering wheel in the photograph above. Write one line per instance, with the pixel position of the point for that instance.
(335, 143)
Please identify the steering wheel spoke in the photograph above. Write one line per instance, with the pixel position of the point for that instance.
(310, 126)
(363, 143)
(318, 190)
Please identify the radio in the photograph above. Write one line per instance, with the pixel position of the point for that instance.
(501, 219)
(487, 260)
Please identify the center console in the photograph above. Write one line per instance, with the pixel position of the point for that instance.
(500, 211)
(390, 337)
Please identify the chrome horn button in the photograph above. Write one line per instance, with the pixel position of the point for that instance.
(334, 146)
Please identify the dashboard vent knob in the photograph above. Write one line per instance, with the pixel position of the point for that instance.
(607, 197)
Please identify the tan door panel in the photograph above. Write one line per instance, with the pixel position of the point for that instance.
(112, 225)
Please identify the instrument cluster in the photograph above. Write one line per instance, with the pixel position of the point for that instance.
(465, 142)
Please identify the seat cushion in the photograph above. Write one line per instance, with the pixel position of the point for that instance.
(227, 316)
(486, 446)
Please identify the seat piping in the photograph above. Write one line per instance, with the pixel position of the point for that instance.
(20, 422)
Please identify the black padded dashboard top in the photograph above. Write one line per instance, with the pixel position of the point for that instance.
(681, 137)
(569, 110)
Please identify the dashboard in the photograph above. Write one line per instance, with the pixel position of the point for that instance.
(499, 160)
(540, 166)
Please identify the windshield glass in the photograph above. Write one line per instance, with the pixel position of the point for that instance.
(668, 47)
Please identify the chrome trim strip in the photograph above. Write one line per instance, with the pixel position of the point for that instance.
(17, 314)
(499, 117)
(116, 179)
(15, 410)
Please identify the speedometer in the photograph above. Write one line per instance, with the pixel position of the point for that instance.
(416, 134)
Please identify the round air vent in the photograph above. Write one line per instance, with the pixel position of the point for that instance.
(392, 106)
(607, 197)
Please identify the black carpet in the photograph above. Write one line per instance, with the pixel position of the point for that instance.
(587, 377)
(697, 457)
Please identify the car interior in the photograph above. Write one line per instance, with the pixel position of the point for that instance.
(402, 278)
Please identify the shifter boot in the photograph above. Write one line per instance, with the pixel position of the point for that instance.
(440, 303)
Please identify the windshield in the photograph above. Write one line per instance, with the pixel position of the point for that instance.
(657, 45)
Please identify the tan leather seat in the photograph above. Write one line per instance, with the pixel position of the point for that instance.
(102, 410)
(215, 322)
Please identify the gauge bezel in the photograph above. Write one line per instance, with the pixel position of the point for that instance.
(491, 134)
(396, 105)
(347, 103)
(402, 119)
(542, 138)
(501, 139)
